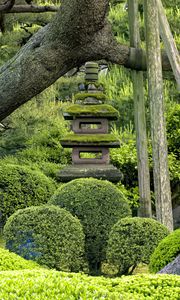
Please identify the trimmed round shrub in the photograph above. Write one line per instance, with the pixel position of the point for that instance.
(11, 261)
(98, 205)
(132, 241)
(21, 187)
(49, 235)
(167, 250)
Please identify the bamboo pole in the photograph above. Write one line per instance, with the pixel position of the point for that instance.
(169, 43)
(158, 127)
(140, 119)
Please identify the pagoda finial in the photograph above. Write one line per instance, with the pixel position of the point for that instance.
(91, 71)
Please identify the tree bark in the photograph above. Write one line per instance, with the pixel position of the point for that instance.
(31, 9)
(168, 40)
(7, 6)
(140, 118)
(170, 45)
(78, 33)
(158, 126)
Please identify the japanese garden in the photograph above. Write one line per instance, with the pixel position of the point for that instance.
(89, 149)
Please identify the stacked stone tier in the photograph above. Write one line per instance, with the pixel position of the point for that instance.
(99, 171)
(91, 111)
(90, 140)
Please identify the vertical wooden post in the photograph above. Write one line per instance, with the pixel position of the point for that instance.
(169, 43)
(158, 127)
(140, 119)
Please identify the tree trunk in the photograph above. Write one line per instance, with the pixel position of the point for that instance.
(140, 119)
(169, 43)
(78, 33)
(158, 127)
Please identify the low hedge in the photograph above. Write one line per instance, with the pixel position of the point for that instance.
(98, 205)
(21, 187)
(132, 241)
(49, 235)
(167, 250)
(12, 261)
(52, 285)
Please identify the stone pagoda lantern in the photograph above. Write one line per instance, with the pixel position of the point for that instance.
(90, 140)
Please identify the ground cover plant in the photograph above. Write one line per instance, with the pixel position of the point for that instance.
(132, 241)
(98, 204)
(53, 285)
(49, 235)
(11, 261)
(167, 250)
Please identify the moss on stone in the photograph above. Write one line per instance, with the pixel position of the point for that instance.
(108, 140)
(98, 96)
(103, 110)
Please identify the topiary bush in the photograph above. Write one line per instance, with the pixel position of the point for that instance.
(21, 187)
(11, 261)
(49, 235)
(133, 240)
(98, 204)
(167, 250)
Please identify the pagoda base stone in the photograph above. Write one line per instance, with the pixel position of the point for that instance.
(105, 172)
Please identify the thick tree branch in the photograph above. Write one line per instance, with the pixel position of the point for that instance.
(32, 9)
(7, 6)
(79, 32)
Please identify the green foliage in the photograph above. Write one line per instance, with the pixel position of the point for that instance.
(118, 18)
(173, 129)
(119, 91)
(50, 169)
(21, 187)
(53, 285)
(9, 45)
(132, 241)
(174, 168)
(35, 130)
(11, 261)
(18, 30)
(98, 204)
(167, 250)
(49, 235)
(125, 159)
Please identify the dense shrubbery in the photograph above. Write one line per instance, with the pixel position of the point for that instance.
(35, 130)
(52, 285)
(48, 235)
(173, 130)
(21, 187)
(167, 250)
(98, 204)
(10, 261)
(132, 241)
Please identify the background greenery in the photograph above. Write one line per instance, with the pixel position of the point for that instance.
(30, 150)
(32, 133)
